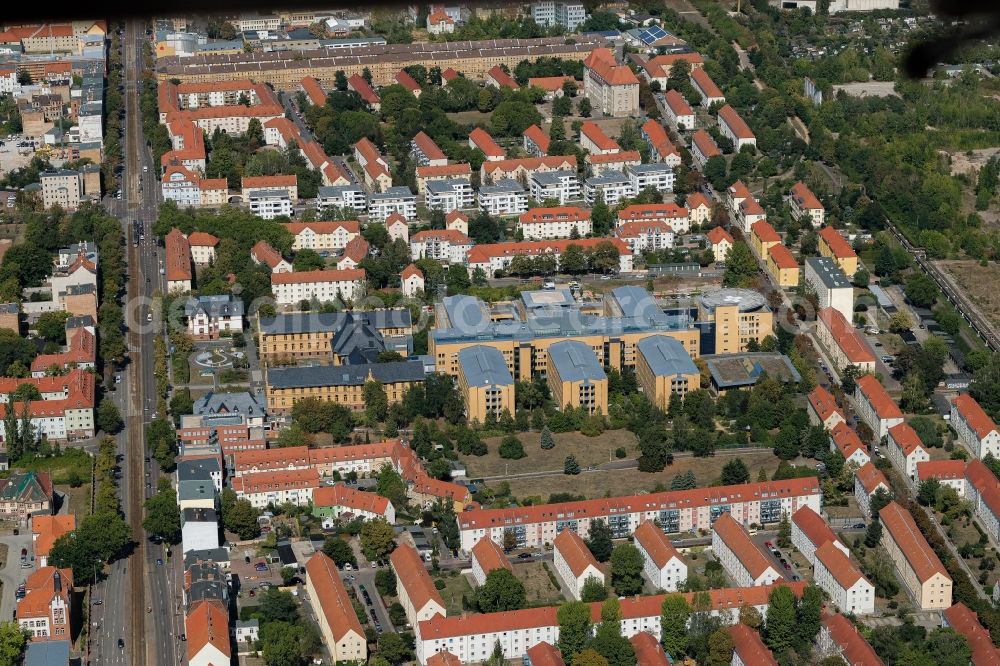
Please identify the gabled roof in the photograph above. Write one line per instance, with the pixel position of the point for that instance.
(941, 469)
(966, 622)
(545, 654)
(846, 440)
(658, 139)
(717, 234)
(602, 62)
(350, 226)
(340, 495)
(411, 270)
(974, 415)
(304, 277)
(457, 169)
(647, 650)
(871, 477)
(781, 257)
(750, 648)
(538, 137)
(332, 597)
(906, 438)
(678, 105)
(738, 540)
(704, 82)
(572, 548)
(655, 543)
(813, 526)
(45, 529)
(207, 623)
(313, 90)
(837, 244)
(502, 78)
(596, 135)
(873, 391)
(550, 83)
(824, 404)
(804, 197)
(413, 577)
(407, 81)
(705, 143)
(553, 214)
(900, 526)
(985, 483)
(485, 143)
(846, 336)
(728, 115)
(426, 145)
(358, 84)
(490, 555)
(853, 646)
(202, 238)
(839, 565)
(445, 659)
(265, 254)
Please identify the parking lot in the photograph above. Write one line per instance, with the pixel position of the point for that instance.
(783, 560)
(14, 157)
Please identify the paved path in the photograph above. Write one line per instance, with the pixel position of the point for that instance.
(12, 574)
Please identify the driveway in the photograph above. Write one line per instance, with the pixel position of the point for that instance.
(13, 574)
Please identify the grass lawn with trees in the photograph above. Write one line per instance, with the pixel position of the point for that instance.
(587, 450)
(456, 586)
(538, 587)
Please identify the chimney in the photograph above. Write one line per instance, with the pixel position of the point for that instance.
(57, 582)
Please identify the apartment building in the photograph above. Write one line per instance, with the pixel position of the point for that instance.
(560, 186)
(676, 216)
(983, 492)
(663, 368)
(810, 531)
(227, 105)
(346, 197)
(338, 623)
(611, 187)
(449, 194)
(739, 556)
(705, 86)
(662, 564)
(867, 481)
(323, 236)
(199, 529)
(921, 572)
(487, 556)
(360, 85)
(575, 377)
(595, 141)
(823, 409)
(498, 78)
(535, 141)
(285, 339)
(46, 610)
(177, 262)
(554, 222)
(645, 236)
(411, 281)
(875, 407)
(521, 169)
(287, 185)
(66, 410)
(843, 342)
(659, 177)
(905, 450)
(737, 316)
(445, 245)
(574, 563)
(263, 253)
(341, 384)
(521, 633)
(975, 429)
(202, 247)
(748, 648)
(503, 198)
(81, 352)
(843, 438)
(63, 188)
(330, 502)
(183, 186)
(392, 200)
(45, 529)
(805, 206)
(838, 637)
(398, 228)
(26, 494)
(763, 237)
(679, 113)
(949, 473)
(840, 578)
(735, 129)
(661, 148)
(425, 152)
(835, 246)
(703, 148)
(322, 285)
(721, 242)
(417, 594)
(493, 257)
(966, 622)
(207, 628)
(276, 488)
(485, 383)
(448, 172)
(782, 266)
(209, 316)
(831, 285)
(613, 89)
(480, 139)
(658, 68)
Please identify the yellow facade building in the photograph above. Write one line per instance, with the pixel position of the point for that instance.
(738, 316)
(575, 377)
(485, 383)
(782, 266)
(664, 368)
(343, 384)
(835, 246)
(288, 338)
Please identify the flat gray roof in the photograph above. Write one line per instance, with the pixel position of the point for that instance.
(507, 185)
(575, 362)
(637, 303)
(446, 185)
(829, 272)
(747, 300)
(666, 356)
(551, 177)
(609, 178)
(345, 375)
(312, 322)
(466, 313)
(398, 192)
(484, 366)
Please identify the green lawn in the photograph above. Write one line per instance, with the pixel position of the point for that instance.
(454, 588)
(59, 466)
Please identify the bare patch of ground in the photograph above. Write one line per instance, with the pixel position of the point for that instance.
(979, 284)
(867, 89)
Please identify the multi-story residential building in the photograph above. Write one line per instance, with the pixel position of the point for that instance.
(663, 565)
(200, 469)
(485, 383)
(341, 384)
(323, 236)
(188, 189)
(721, 242)
(844, 439)
(613, 89)
(288, 338)
(487, 556)
(663, 368)
(426, 152)
(345, 197)
(500, 78)
(575, 377)
(679, 112)
(66, 410)
(177, 262)
(227, 105)
(480, 138)
(676, 216)
(503, 198)
(810, 531)
(569, 15)
(921, 572)
(448, 195)
(207, 628)
(417, 594)
(392, 200)
(263, 253)
(471, 638)
(208, 316)
(645, 236)
(411, 281)
(199, 529)
(875, 407)
(832, 287)
(45, 529)
(678, 511)
(782, 266)
(521, 169)
(444, 245)
(610, 187)
(595, 141)
(658, 68)
(448, 172)
(360, 85)
(269, 204)
(46, 611)
(748, 648)
(842, 341)
(735, 129)
(277, 488)
(202, 247)
(838, 637)
(949, 473)
(63, 188)
(833, 245)
(398, 228)
(81, 352)
(703, 148)
(660, 177)
(983, 492)
(536, 142)
(561, 186)
(867, 481)
(574, 563)
(840, 578)
(905, 449)
(286, 184)
(555, 222)
(661, 149)
(705, 86)
(966, 622)
(330, 502)
(975, 429)
(323, 285)
(805, 205)
(338, 623)
(739, 556)
(439, 23)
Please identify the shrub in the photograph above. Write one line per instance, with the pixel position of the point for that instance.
(620, 452)
(511, 448)
(439, 584)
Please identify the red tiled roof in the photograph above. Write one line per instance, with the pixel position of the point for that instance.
(717, 234)
(853, 646)
(357, 83)
(426, 145)
(332, 597)
(545, 654)
(453, 236)
(899, 524)
(813, 526)
(739, 190)
(482, 253)
(485, 143)
(704, 82)
(349, 275)
(207, 623)
(640, 212)
(781, 257)
(658, 139)
(265, 254)
(313, 90)
(178, 251)
(846, 440)
(839, 565)
(502, 78)
(655, 543)
(356, 249)
(550, 83)
(490, 555)
(885, 407)
(597, 136)
(413, 577)
(202, 238)
(749, 647)
(647, 650)
(572, 548)
(439, 17)
(638, 229)
(728, 115)
(407, 81)
(804, 197)
(554, 214)
(262, 482)
(846, 336)
(705, 143)
(445, 659)
(454, 216)
(340, 495)
(823, 403)
(906, 438)
(966, 622)
(46, 529)
(350, 226)
(977, 419)
(660, 65)
(40, 588)
(538, 137)
(763, 230)
(738, 540)
(941, 469)
(82, 349)
(837, 244)
(411, 270)
(750, 206)
(871, 477)
(602, 62)
(280, 180)
(531, 163)
(445, 170)
(623, 157)
(449, 74)
(678, 105)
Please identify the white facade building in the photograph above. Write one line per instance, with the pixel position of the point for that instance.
(503, 198)
(269, 204)
(448, 195)
(658, 176)
(739, 556)
(663, 566)
(975, 429)
(562, 186)
(612, 187)
(836, 575)
(324, 285)
(393, 200)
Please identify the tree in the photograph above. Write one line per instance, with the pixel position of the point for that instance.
(608, 640)
(339, 551)
(984, 387)
(376, 401)
(946, 646)
(392, 648)
(108, 418)
(308, 260)
(511, 448)
(13, 643)
(784, 532)
(584, 107)
(873, 535)
(599, 540)
(571, 466)
(809, 616)
(878, 500)
(720, 648)
(779, 630)
(546, 439)
(163, 516)
(385, 582)
(593, 590)
(52, 326)
(588, 657)
(391, 486)
(674, 615)
(502, 591)
(741, 266)
(377, 539)
(750, 616)
(239, 516)
(626, 569)
(574, 627)
(734, 472)
(921, 290)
